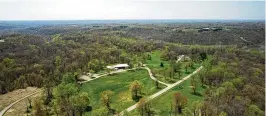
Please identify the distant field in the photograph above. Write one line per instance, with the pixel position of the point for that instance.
(119, 84)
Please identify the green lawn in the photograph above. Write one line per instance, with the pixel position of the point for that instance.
(154, 64)
(162, 104)
(156, 60)
(119, 84)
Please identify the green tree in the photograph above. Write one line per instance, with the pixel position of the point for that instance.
(80, 102)
(144, 107)
(179, 101)
(38, 107)
(253, 110)
(135, 88)
(193, 85)
(106, 98)
(161, 65)
(223, 114)
(62, 94)
(157, 84)
(103, 111)
(58, 61)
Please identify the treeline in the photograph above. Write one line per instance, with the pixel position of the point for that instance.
(28, 60)
(234, 79)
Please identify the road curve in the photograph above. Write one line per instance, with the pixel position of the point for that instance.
(164, 90)
(10, 105)
(155, 79)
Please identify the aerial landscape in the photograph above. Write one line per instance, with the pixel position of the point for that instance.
(132, 58)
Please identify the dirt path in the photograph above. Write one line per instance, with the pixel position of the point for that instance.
(164, 90)
(153, 78)
(10, 105)
(180, 57)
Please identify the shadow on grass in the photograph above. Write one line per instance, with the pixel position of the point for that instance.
(196, 94)
(204, 87)
(112, 111)
(137, 98)
(88, 108)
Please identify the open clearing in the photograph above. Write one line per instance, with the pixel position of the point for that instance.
(12, 96)
(154, 64)
(162, 104)
(119, 84)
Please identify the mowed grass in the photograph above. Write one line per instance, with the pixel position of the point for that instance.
(156, 60)
(162, 104)
(119, 84)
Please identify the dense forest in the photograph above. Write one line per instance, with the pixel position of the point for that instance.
(53, 56)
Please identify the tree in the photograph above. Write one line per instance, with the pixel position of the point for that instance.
(176, 67)
(157, 84)
(186, 66)
(144, 107)
(203, 56)
(179, 101)
(58, 61)
(161, 65)
(253, 110)
(149, 57)
(135, 88)
(106, 97)
(103, 111)
(38, 107)
(29, 100)
(196, 107)
(193, 85)
(80, 102)
(224, 114)
(8, 62)
(62, 94)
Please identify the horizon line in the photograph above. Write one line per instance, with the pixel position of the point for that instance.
(122, 19)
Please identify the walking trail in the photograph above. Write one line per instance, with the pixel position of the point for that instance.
(164, 90)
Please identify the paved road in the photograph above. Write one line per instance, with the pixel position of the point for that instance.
(10, 105)
(165, 89)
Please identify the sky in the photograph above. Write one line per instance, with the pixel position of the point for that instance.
(129, 9)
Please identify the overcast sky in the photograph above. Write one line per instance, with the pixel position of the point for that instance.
(128, 9)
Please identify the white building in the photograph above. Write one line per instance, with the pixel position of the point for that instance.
(118, 66)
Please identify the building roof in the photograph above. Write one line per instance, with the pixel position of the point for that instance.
(118, 66)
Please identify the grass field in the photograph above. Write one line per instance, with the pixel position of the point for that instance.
(154, 64)
(119, 84)
(156, 61)
(162, 104)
